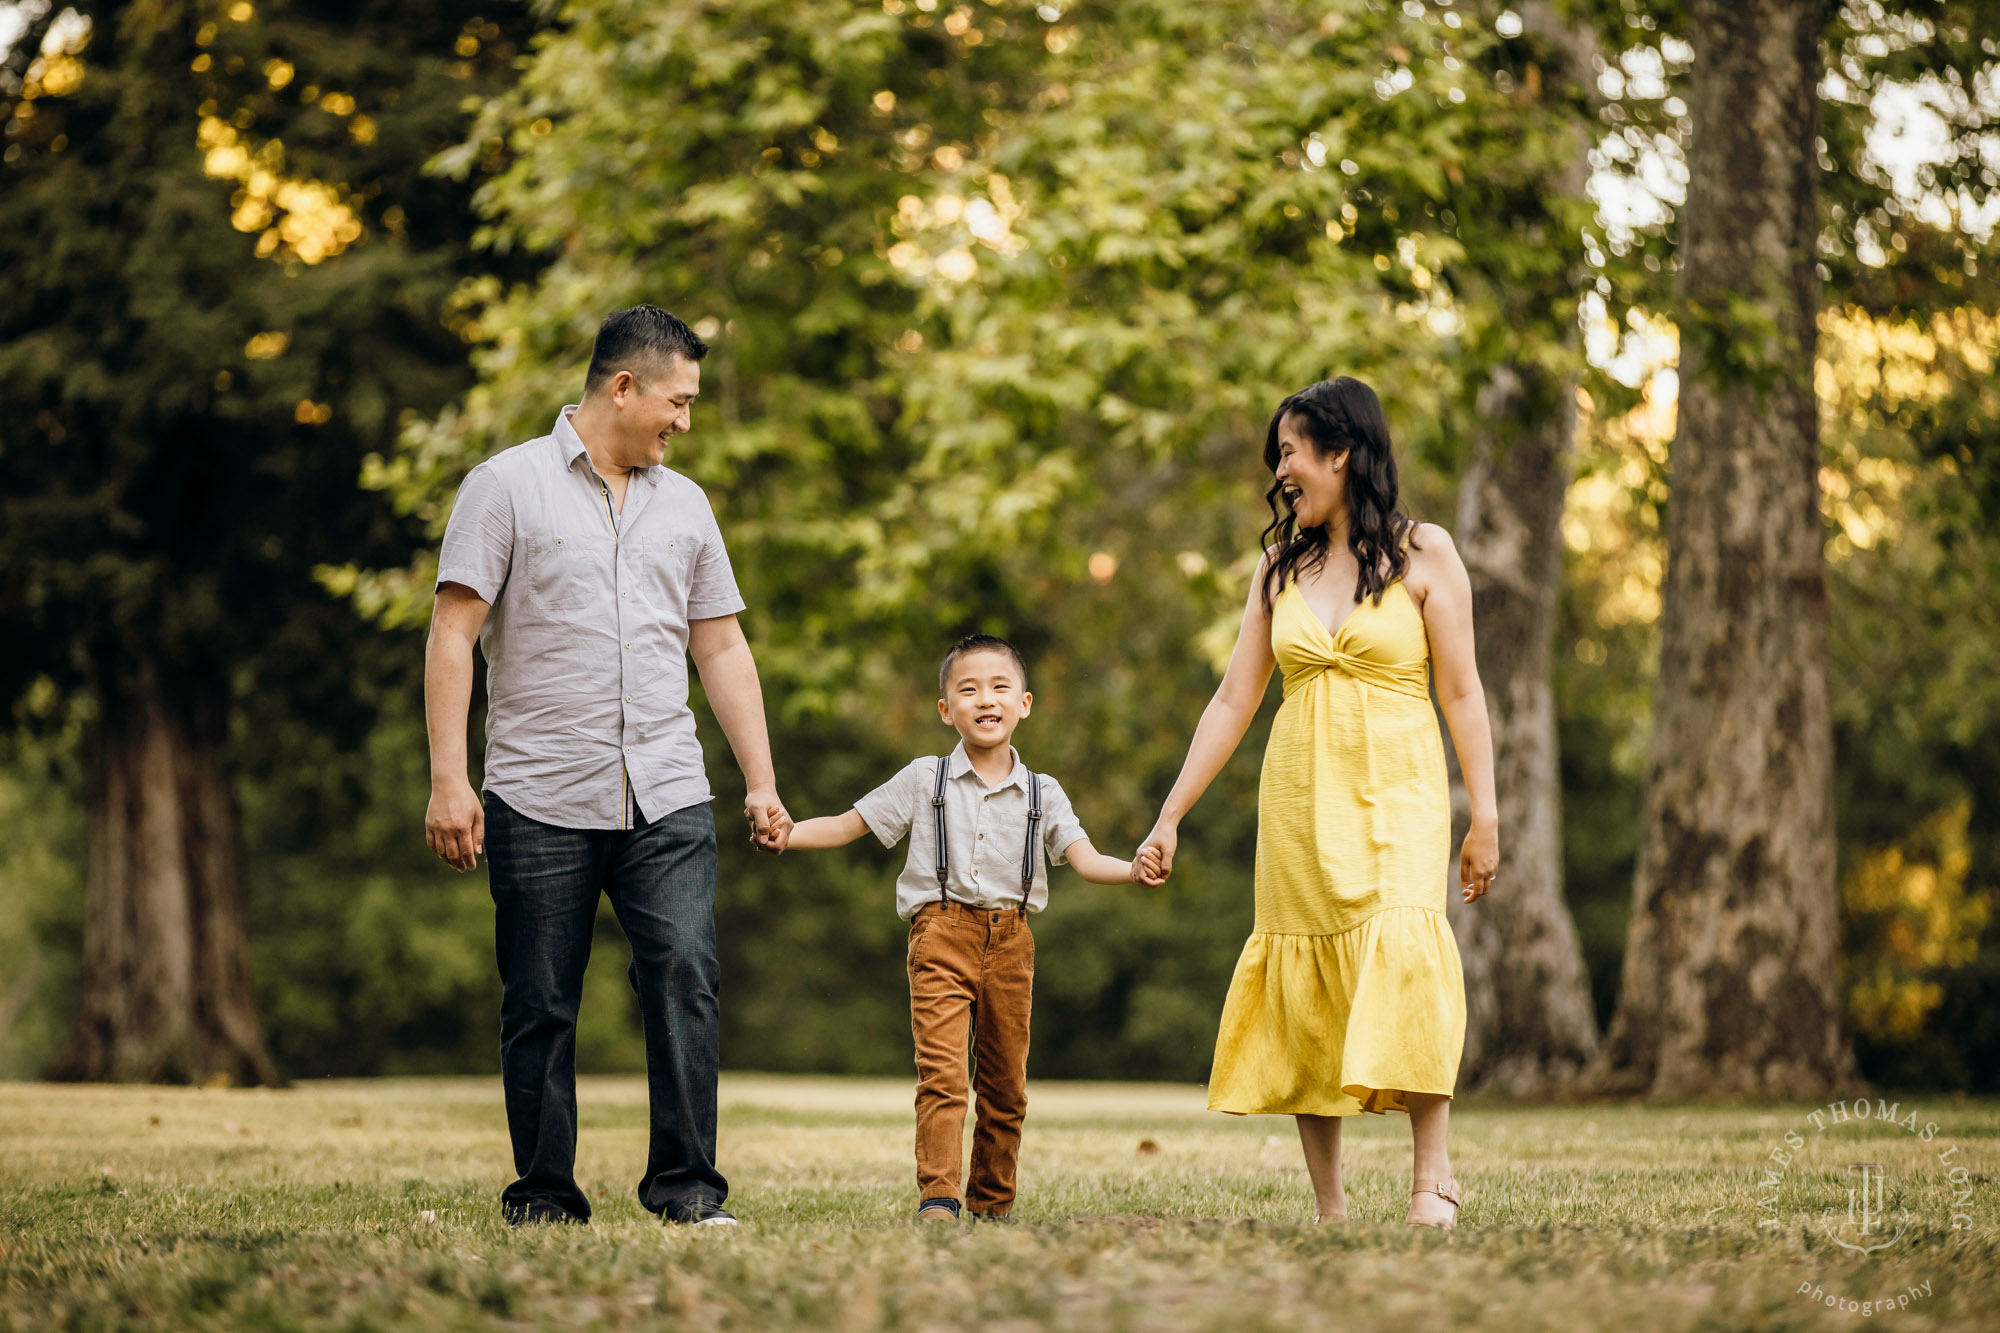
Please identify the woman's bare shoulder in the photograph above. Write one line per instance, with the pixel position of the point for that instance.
(1428, 539)
(1431, 554)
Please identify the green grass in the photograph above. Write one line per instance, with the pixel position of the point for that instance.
(372, 1205)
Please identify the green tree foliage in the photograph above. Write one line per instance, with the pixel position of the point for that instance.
(225, 270)
(1906, 382)
(1001, 297)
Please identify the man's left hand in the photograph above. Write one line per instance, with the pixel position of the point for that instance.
(770, 823)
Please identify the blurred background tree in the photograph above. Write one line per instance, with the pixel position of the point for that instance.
(225, 268)
(1008, 294)
(983, 268)
(1896, 216)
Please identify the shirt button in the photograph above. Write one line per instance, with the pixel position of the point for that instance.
(624, 594)
(628, 698)
(982, 837)
(628, 645)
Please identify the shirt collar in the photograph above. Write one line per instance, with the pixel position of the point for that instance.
(571, 444)
(961, 764)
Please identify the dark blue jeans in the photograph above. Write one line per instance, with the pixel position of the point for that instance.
(661, 880)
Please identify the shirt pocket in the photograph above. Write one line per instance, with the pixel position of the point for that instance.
(662, 565)
(568, 573)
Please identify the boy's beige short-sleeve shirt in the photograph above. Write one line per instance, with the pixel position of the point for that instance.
(986, 832)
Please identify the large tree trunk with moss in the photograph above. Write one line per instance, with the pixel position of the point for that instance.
(166, 976)
(1731, 970)
(1529, 1026)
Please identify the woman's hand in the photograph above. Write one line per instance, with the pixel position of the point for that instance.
(1478, 859)
(1155, 858)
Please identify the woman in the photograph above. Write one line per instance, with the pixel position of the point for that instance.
(1348, 996)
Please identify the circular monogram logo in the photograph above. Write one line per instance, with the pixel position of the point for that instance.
(1864, 1179)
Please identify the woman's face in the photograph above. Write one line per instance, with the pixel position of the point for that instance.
(1315, 483)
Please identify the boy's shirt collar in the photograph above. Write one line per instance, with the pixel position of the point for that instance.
(961, 764)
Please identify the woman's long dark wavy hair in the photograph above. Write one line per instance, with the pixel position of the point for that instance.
(1340, 415)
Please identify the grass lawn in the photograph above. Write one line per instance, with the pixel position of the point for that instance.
(372, 1205)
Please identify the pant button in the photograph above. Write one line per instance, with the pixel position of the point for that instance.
(996, 919)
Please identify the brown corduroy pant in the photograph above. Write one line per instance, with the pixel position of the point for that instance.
(972, 975)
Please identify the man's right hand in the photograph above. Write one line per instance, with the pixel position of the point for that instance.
(455, 823)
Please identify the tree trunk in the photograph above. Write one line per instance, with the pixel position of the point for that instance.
(1529, 1026)
(1731, 970)
(166, 976)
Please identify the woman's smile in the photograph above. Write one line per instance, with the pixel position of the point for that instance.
(1295, 497)
(1307, 505)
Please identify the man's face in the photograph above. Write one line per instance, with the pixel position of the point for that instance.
(985, 698)
(654, 409)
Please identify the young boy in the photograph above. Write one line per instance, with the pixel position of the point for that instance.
(983, 830)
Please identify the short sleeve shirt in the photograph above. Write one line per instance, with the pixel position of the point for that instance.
(986, 833)
(587, 718)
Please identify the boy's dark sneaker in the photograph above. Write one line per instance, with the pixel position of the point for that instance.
(1007, 1218)
(938, 1210)
(701, 1214)
(537, 1214)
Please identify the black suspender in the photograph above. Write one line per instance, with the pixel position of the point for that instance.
(1034, 826)
(937, 823)
(1028, 852)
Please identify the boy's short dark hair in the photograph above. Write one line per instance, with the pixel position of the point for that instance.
(643, 335)
(979, 643)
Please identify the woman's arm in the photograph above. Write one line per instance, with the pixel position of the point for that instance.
(1221, 729)
(1447, 608)
(827, 831)
(1095, 866)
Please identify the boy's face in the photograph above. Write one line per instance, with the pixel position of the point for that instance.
(985, 699)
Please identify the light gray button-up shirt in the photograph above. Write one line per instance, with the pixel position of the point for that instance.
(986, 832)
(586, 645)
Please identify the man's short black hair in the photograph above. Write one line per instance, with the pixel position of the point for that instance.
(644, 336)
(979, 643)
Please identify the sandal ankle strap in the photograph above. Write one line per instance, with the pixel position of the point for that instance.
(1444, 1189)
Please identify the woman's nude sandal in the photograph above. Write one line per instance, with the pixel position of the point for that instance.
(1444, 1189)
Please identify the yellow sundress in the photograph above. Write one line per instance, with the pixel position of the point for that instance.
(1349, 991)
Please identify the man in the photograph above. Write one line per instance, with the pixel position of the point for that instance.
(588, 573)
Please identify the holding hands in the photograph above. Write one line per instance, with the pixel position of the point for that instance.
(770, 822)
(1154, 861)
